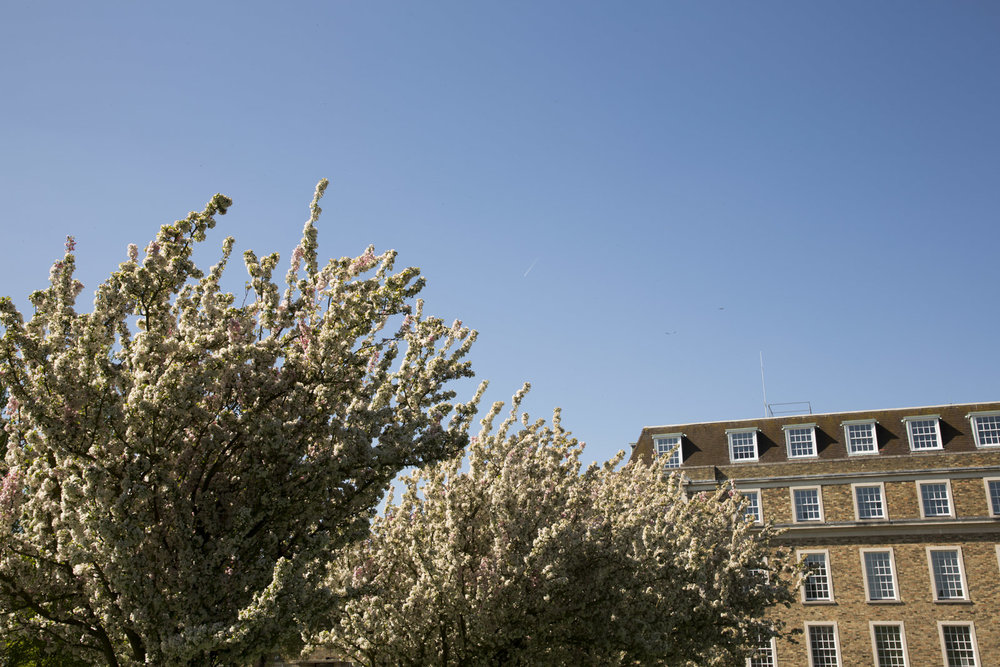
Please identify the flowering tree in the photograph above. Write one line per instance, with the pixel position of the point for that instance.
(522, 559)
(180, 469)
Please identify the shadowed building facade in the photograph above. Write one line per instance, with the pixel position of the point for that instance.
(895, 513)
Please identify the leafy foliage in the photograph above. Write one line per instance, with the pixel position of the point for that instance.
(526, 558)
(180, 469)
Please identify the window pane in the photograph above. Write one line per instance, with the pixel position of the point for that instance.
(806, 504)
(878, 570)
(800, 442)
(924, 434)
(947, 575)
(666, 446)
(994, 487)
(935, 499)
(861, 438)
(988, 430)
(763, 657)
(753, 505)
(958, 646)
(889, 646)
(743, 446)
(823, 645)
(817, 583)
(870, 502)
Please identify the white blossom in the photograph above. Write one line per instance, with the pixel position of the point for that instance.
(528, 558)
(180, 469)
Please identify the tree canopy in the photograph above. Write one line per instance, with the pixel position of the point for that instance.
(180, 466)
(526, 557)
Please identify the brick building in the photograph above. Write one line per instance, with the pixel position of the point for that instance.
(895, 512)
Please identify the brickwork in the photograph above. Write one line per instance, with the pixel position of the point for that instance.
(852, 613)
(963, 529)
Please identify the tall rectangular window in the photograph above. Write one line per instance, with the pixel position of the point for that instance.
(669, 446)
(889, 644)
(806, 504)
(763, 656)
(868, 501)
(993, 495)
(958, 643)
(924, 432)
(801, 440)
(817, 586)
(935, 498)
(753, 510)
(946, 573)
(824, 649)
(986, 428)
(880, 579)
(860, 437)
(742, 444)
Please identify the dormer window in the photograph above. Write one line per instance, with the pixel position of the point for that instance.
(669, 446)
(985, 428)
(860, 437)
(742, 444)
(924, 432)
(801, 440)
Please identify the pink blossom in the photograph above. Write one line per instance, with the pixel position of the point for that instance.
(364, 262)
(70, 244)
(10, 492)
(133, 251)
(305, 333)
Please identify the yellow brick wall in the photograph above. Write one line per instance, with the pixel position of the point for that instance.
(915, 608)
(919, 615)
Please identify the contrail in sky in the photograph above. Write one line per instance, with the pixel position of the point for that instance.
(530, 268)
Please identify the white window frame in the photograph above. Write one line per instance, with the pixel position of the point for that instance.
(892, 572)
(836, 640)
(788, 428)
(910, 421)
(675, 458)
(902, 639)
(972, 635)
(973, 417)
(730, 432)
(819, 500)
(801, 555)
(857, 507)
(760, 504)
(961, 571)
(989, 498)
(951, 498)
(774, 652)
(847, 436)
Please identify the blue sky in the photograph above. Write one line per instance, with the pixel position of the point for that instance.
(630, 201)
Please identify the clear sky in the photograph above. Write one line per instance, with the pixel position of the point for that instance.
(630, 200)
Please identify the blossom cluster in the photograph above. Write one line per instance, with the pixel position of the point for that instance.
(525, 556)
(180, 468)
